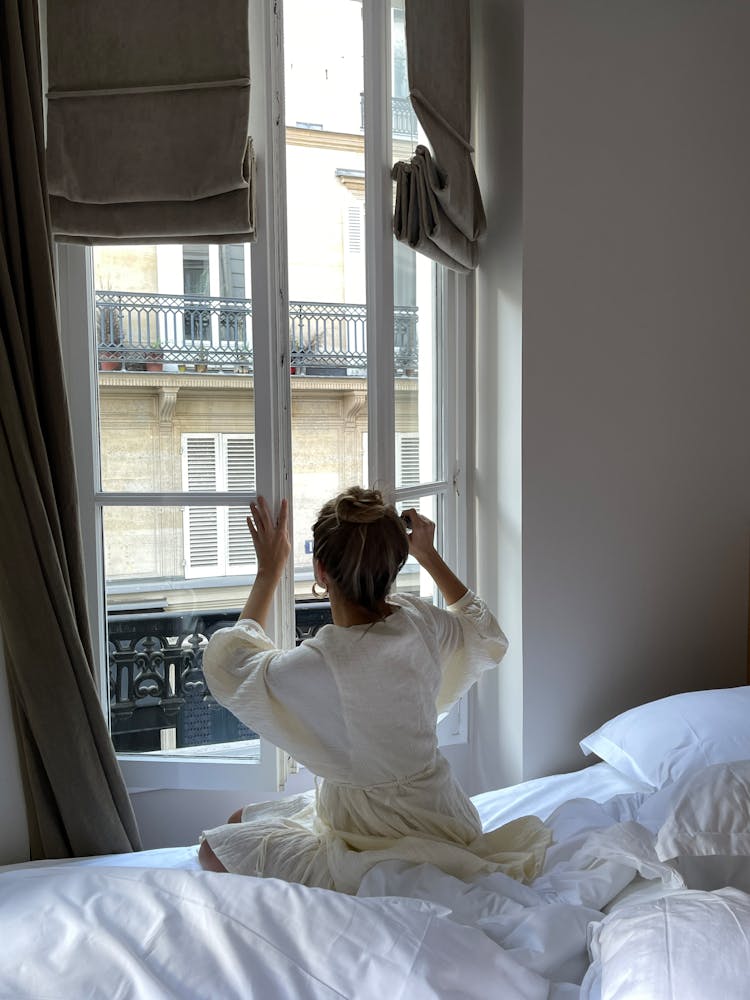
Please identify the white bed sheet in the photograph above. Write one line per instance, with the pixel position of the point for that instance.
(541, 796)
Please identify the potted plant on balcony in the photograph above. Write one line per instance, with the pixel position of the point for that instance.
(201, 358)
(110, 338)
(154, 357)
(243, 364)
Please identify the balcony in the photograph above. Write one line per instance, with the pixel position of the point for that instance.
(403, 120)
(156, 681)
(187, 333)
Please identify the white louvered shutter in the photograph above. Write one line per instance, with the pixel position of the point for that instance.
(200, 472)
(407, 464)
(354, 257)
(239, 453)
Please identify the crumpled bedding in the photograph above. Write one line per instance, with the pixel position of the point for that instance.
(106, 928)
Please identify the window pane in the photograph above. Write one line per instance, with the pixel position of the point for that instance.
(326, 240)
(173, 341)
(162, 607)
(413, 579)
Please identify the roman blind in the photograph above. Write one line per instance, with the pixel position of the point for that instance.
(147, 121)
(438, 209)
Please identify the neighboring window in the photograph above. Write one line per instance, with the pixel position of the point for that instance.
(196, 270)
(232, 271)
(197, 279)
(217, 542)
(400, 75)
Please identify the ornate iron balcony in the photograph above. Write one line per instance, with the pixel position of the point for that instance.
(403, 120)
(156, 676)
(151, 332)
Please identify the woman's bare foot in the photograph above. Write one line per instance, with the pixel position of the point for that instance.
(208, 860)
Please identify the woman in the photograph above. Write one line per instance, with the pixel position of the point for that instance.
(357, 704)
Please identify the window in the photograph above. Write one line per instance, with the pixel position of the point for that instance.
(217, 542)
(203, 374)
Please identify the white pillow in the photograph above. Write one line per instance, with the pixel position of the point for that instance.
(707, 832)
(686, 946)
(659, 742)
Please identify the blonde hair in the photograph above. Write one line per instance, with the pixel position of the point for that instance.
(362, 543)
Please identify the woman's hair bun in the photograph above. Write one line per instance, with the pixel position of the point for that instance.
(360, 506)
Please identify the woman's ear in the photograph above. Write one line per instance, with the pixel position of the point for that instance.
(319, 572)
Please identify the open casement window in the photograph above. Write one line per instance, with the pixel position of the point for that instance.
(204, 375)
(217, 541)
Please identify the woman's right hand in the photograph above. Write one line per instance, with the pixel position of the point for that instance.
(422, 547)
(421, 534)
(270, 538)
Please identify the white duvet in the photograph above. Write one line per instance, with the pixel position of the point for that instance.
(81, 932)
(105, 928)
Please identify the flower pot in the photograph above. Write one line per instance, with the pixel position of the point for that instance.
(154, 361)
(110, 366)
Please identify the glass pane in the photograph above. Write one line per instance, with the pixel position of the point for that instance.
(173, 340)
(326, 240)
(417, 354)
(162, 607)
(413, 579)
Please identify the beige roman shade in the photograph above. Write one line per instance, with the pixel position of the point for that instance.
(147, 121)
(438, 208)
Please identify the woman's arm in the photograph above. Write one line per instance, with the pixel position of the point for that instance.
(422, 547)
(272, 546)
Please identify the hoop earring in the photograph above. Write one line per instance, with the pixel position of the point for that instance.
(323, 590)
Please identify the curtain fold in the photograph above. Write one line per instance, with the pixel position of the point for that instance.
(439, 208)
(147, 121)
(76, 800)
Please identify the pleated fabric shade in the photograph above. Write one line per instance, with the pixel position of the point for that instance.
(438, 207)
(147, 121)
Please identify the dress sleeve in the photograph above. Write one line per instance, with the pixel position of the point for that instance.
(471, 642)
(237, 664)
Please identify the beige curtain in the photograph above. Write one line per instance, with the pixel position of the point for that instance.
(147, 121)
(438, 208)
(76, 801)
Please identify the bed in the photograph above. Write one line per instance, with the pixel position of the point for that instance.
(647, 881)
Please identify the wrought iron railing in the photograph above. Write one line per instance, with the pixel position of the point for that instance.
(156, 676)
(148, 331)
(403, 120)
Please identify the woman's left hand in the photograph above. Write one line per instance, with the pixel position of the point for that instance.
(270, 538)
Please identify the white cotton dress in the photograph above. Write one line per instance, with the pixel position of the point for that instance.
(358, 707)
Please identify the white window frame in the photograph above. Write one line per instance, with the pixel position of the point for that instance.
(454, 488)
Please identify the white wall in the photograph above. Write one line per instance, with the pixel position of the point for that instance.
(634, 402)
(497, 64)
(14, 841)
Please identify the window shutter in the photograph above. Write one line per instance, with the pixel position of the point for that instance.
(354, 256)
(201, 524)
(407, 463)
(354, 229)
(240, 470)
